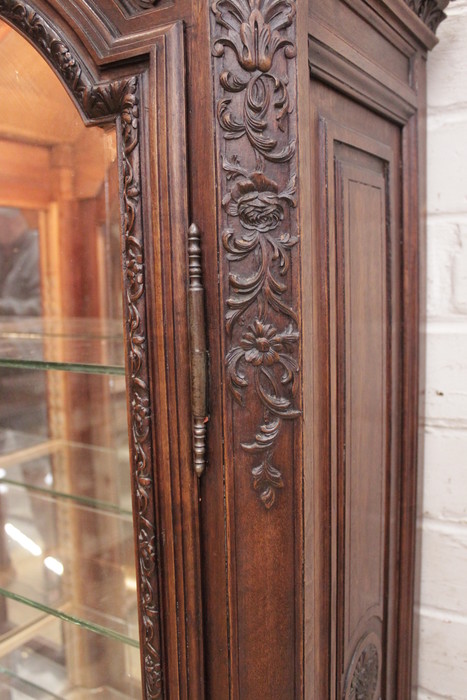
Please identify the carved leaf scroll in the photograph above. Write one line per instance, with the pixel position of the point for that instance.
(254, 52)
(430, 11)
(119, 100)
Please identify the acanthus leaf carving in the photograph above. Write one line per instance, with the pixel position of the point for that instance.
(262, 325)
(103, 102)
(430, 11)
(254, 30)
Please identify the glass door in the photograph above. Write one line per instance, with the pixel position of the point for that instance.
(68, 606)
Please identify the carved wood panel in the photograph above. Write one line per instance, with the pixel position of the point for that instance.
(252, 44)
(255, 98)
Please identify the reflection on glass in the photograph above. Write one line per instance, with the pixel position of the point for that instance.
(68, 613)
(48, 573)
(55, 663)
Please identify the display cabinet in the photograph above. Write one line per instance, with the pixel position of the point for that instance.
(69, 619)
(211, 237)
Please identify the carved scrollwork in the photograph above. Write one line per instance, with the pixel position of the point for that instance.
(254, 104)
(146, 4)
(134, 6)
(119, 100)
(430, 11)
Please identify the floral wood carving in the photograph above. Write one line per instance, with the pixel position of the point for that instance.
(255, 81)
(103, 102)
(430, 11)
(364, 679)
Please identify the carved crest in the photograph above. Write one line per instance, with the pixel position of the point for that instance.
(259, 191)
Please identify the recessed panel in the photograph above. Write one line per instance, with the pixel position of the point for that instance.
(363, 381)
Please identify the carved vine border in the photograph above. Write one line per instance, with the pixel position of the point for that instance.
(120, 100)
(254, 106)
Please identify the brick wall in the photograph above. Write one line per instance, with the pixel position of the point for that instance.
(442, 654)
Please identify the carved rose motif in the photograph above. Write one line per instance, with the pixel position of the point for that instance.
(255, 198)
(255, 30)
(257, 203)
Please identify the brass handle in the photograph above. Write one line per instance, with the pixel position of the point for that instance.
(198, 351)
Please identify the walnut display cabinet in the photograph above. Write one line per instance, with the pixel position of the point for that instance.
(215, 497)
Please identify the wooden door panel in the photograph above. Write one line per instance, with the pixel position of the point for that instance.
(356, 158)
(362, 359)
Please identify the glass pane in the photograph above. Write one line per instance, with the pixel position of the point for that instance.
(85, 457)
(61, 660)
(63, 568)
(68, 606)
(80, 344)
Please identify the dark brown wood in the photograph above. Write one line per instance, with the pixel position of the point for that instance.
(256, 142)
(290, 132)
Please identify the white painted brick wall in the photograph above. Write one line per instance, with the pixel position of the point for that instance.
(442, 612)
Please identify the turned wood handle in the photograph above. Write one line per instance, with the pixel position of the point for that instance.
(198, 351)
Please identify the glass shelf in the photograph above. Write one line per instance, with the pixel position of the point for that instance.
(83, 617)
(77, 345)
(60, 366)
(91, 475)
(68, 560)
(23, 689)
(63, 408)
(51, 659)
